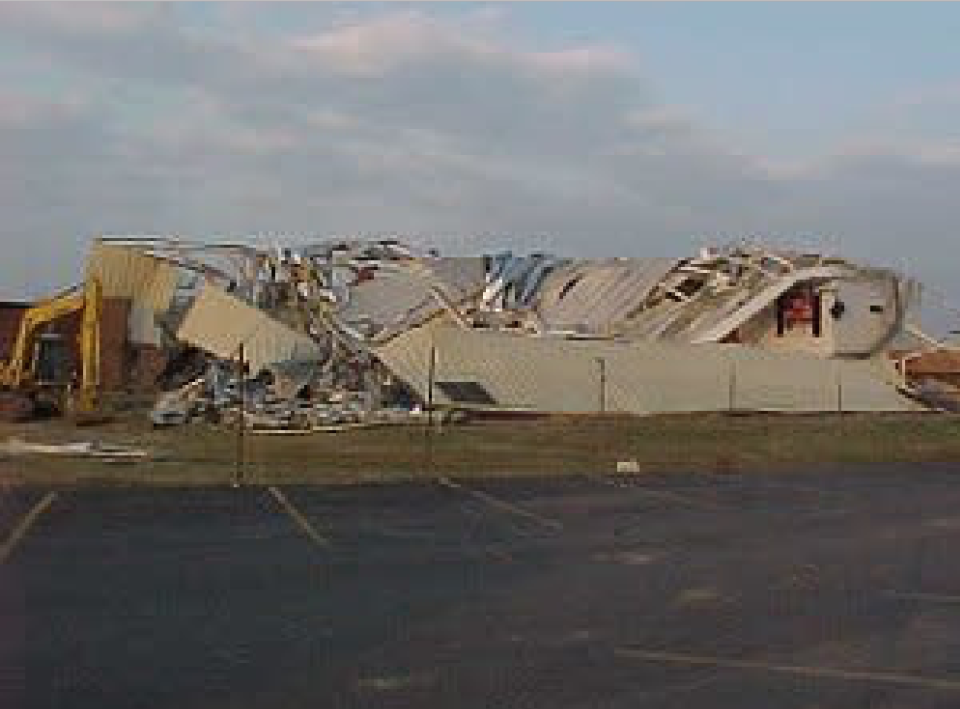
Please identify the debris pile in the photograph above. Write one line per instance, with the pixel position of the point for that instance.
(284, 335)
(290, 395)
(349, 332)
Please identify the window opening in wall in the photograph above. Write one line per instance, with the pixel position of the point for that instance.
(800, 307)
(466, 392)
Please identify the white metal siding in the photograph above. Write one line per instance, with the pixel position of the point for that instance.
(219, 323)
(561, 375)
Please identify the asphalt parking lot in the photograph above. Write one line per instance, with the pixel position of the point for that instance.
(838, 588)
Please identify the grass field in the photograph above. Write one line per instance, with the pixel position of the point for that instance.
(200, 454)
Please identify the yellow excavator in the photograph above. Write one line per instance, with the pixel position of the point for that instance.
(23, 379)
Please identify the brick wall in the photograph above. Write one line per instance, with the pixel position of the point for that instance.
(10, 315)
(147, 364)
(113, 343)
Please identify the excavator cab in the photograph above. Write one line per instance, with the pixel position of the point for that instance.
(40, 371)
(54, 360)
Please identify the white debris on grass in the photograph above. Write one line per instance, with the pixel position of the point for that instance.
(83, 449)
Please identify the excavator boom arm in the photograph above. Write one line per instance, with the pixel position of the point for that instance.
(19, 370)
(90, 346)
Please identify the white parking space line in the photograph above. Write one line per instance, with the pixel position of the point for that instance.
(941, 598)
(23, 526)
(302, 522)
(867, 676)
(502, 505)
(675, 498)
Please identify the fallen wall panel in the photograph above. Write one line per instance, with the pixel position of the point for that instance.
(558, 375)
(219, 323)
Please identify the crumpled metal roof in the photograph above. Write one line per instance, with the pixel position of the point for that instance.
(596, 295)
(369, 292)
(398, 295)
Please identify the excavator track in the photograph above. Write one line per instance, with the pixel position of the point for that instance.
(17, 406)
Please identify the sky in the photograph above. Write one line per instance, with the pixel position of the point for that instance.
(585, 129)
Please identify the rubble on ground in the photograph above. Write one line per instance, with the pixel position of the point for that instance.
(14, 447)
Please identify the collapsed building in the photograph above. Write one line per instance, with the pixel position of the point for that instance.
(351, 331)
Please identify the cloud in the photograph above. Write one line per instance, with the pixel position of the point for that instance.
(145, 119)
(21, 111)
(59, 21)
(395, 43)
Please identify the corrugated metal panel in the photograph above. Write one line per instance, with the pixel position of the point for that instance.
(218, 323)
(601, 295)
(125, 272)
(400, 294)
(148, 282)
(516, 281)
(562, 376)
(389, 298)
(652, 322)
(461, 276)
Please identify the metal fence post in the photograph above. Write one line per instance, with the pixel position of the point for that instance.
(242, 383)
(602, 363)
(839, 389)
(428, 437)
(732, 387)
